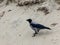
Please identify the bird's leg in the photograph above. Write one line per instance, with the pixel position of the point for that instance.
(35, 34)
(38, 30)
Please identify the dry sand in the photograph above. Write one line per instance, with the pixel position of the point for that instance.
(14, 30)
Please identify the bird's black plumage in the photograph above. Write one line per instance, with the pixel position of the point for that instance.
(36, 27)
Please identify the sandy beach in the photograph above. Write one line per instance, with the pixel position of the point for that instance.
(15, 30)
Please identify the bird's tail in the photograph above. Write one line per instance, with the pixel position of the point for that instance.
(48, 28)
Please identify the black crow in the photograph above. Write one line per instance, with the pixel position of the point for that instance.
(36, 27)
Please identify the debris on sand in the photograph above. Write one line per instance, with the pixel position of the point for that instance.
(2, 14)
(9, 10)
(58, 8)
(30, 2)
(54, 24)
(26, 3)
(19, 34)
(19, 4)
(44, 9)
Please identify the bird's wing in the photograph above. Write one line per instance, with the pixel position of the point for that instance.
(38, 25)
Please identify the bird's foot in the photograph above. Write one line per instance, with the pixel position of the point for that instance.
(34, 34)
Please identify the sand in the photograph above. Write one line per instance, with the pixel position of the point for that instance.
(14, 30)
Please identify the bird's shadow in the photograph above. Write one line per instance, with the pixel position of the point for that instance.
(41, 33)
